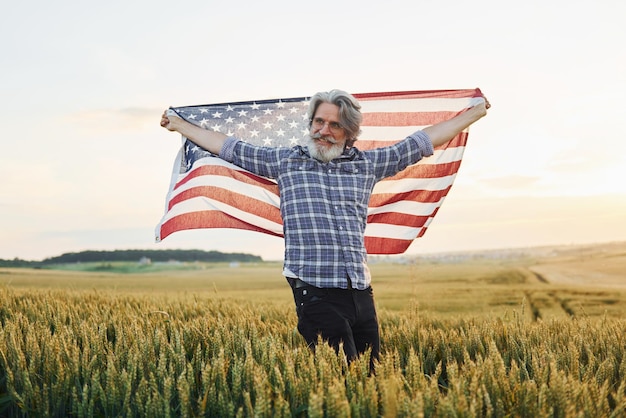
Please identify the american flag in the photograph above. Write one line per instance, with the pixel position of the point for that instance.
(207, 192)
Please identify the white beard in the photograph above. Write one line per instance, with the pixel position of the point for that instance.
(322, 153)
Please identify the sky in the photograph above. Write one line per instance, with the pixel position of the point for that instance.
(85, 165)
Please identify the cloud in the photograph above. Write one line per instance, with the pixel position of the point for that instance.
(115, 120)
(511, 182)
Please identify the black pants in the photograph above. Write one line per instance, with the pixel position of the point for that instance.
(345, 316)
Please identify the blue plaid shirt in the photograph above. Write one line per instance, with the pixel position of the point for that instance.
(324, 205)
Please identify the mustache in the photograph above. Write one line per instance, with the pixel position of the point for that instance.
(318, 136)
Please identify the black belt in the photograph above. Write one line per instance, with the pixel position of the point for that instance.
(297, 283)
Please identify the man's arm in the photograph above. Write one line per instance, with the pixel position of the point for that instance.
(209, 140)
(442, 132)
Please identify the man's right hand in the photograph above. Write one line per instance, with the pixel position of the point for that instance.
(166, 120)
(209, 140)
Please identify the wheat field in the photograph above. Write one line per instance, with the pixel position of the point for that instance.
(481, 338)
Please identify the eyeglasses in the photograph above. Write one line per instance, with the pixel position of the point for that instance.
(319, 123)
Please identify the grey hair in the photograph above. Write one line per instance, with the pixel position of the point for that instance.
(350, 117)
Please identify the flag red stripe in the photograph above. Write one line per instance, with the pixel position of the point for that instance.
(432, 171)
(400, 219)
(423, 196)
(419, 94)
(231, 198)
(242, 176)
(405, 118)
(367, 144)
(377, 245)
(458, 141)
(207, 219)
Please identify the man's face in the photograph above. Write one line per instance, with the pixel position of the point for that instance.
(327, 137)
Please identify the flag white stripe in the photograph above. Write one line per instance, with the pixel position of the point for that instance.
(407, 207)
(410, 184)
(388, 133)
(391, 231)
(444, 156)
(414, 105)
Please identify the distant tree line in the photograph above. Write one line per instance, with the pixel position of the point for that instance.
(136, 255)
(18, 262)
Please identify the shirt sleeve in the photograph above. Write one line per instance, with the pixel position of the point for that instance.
(390, 160)
(228, 149)
(259, 160)
(424, 143)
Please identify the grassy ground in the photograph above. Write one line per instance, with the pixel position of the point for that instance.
(538, 335)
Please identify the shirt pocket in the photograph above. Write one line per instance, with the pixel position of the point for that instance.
(295, 166)
(356, 169)
(356, 182)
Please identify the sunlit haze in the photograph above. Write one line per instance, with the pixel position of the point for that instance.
(85, 164)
